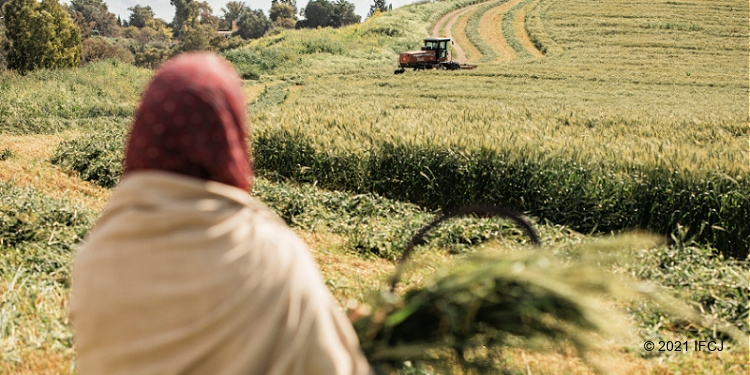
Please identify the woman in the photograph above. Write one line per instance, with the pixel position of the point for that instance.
(185, 273)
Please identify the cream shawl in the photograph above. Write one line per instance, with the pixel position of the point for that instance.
(185, 276)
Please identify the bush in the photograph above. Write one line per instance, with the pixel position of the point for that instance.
(151, 57)
(99, 48)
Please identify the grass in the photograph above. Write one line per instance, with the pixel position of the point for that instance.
(639, 120)
(55, 101)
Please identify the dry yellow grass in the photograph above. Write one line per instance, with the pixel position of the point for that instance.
(30, 167)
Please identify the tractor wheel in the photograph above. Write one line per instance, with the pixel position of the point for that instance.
(453, 66)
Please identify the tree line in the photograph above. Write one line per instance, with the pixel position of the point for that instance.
(48, 34)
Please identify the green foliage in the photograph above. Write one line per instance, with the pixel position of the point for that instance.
(158, 36)
(96, 158)
(583, 196)
(221, 43)
(40, 36)
(232, 12)
(142, 16)
(195, 38)
(324, 13)
(151, 57)
(251, 62)
(282, 15)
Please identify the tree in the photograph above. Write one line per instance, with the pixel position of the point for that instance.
(191, 13)
(40, 35)
(206, 15)
(322, 13)
(344, 14)
(318, 13)
(232, 12)
(145, 28)
(282, 15)
(253, 24)
(141, 16)
(291, 3)
(196, 38)
(379, 6)
(96, 13)
(183, 14)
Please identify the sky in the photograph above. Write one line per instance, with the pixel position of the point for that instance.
(165, 11)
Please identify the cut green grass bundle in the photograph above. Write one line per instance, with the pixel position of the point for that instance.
(488, 301)
(96, 157)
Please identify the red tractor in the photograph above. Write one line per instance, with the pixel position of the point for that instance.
(433, 55)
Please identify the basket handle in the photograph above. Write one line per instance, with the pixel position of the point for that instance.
(476, 209)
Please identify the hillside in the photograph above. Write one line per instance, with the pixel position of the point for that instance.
(593, 118)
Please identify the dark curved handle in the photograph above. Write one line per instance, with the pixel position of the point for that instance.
(482, 210)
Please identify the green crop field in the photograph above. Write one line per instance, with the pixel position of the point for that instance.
(634, 119)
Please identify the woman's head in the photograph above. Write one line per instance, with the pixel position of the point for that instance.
(191, 121)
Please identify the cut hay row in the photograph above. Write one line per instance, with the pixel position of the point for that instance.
(536, 30)
(511, 30)
(490, 30)
(519, 29)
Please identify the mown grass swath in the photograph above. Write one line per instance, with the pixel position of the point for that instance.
(37, 237)
(510, 34)
(472, 31)
(537, 33)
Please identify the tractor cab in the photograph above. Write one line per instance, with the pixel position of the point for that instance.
(439, 45)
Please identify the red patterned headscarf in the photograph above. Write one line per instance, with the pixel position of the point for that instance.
(192, 121)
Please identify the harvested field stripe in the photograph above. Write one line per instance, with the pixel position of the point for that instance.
(536, 31)
(458, 32)
(490, 28)
(473, 32)
(509, 31)
(519, 27)
(455, 20)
